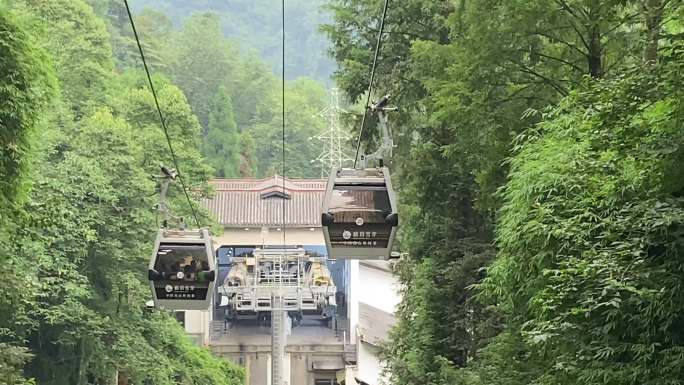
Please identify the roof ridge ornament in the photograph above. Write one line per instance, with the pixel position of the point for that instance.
(275, 193)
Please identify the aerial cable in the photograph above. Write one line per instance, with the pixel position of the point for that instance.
(161, 116)
(372, 77)
(283, 118)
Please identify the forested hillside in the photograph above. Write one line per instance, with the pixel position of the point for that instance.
(255, 24)
(230, 88)
(540, 169)
(81, 142)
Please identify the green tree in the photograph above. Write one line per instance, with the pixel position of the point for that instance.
(75, 246)
(136, 105)
(304, 98)
(222, 143)
(26, 85)
(247, 155)
(202, 61)
(592, 279)
(79, 43)
(154, 30)
(92, 238)
(256, 26)
(469, 78)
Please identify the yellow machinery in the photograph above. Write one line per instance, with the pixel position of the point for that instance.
(319, 275)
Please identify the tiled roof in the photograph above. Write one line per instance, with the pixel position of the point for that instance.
(374, 324)
(258, 202)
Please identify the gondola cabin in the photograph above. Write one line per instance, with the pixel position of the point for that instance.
(182, 270)
(359, 214)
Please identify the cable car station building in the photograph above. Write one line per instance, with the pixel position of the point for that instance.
(318, 344)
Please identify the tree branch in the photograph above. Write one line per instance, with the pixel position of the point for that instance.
(620, 24)
(581, 36)
(558, 40)
(567, 8)
(610, 67)
(417, 36)
(513, 95)
(572, 65)
(548, 81)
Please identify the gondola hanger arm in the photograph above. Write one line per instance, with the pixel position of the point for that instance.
(168, 176)
(384, 152)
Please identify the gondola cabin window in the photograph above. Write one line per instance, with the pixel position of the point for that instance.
(360, 213)
(183, 269)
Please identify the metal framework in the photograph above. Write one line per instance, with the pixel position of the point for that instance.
(277, 281)
(384, 151)
(167, 177)
(333, 137)
(276, 270)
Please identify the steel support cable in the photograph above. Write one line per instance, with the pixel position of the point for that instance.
(161, 116)
(277, 311)
(372, 78)
(283, 118)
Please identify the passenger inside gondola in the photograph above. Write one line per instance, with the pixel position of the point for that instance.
(181, 273)
(189, 270)
(181, 263)
(203, 274)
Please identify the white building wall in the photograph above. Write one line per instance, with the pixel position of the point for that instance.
(378, 286)
(255, 236)
(197, 324)
(287, 366)
(369, 367)
(372, 283)
(353, 299)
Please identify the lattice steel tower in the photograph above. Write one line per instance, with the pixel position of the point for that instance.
(333, 138)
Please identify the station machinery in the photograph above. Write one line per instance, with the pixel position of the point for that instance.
(303, 282)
